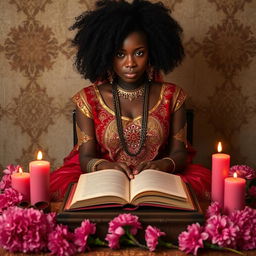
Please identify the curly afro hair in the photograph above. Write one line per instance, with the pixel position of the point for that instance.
(101, 33)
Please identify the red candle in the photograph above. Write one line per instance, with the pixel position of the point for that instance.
(21, 183)
(39, 181)
(220, 169)
(234, 194)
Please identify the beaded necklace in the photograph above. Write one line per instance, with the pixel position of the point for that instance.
(144, 121)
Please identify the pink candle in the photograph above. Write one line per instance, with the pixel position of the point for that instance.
(21, 183)
(234, 194)
(39, 181)
(220, 169)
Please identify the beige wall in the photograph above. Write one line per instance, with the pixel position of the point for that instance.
(37, 78)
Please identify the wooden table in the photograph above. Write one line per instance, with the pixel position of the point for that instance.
(133, 251)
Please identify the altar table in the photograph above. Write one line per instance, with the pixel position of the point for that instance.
(135, 252)
(132, 251)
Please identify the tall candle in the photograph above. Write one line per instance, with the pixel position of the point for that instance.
(39, 181)
(220, 170)
(234, 194)
(21, 182)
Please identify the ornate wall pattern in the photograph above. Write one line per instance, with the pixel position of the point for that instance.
(37, 77)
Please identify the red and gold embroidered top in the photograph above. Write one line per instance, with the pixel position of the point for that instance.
(90, 102)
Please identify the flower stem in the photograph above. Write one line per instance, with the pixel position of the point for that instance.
(135, 241)
(233, 250)
(167, 244)
(99, 242)
(216, 247)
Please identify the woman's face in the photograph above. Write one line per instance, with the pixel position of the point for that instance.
(130, 62)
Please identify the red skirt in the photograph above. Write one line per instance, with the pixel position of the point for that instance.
(196, 175)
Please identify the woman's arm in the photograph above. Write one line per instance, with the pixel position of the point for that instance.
(87, 147)
(178, 140)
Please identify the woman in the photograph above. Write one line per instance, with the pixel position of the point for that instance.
(129, 119)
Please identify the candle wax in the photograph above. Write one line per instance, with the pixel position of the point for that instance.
(234, 194)
(220, 169)
(21, 183)
(39, 181)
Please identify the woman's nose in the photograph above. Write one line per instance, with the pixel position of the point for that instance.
(130, 62)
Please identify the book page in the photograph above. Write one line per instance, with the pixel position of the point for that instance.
(107, 182)
(158, 181)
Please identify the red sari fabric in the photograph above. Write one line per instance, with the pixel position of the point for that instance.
(92, 105)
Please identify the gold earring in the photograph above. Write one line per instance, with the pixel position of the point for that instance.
(110, 77)
(150, 73)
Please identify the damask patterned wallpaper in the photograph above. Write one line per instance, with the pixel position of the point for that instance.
(37, 77)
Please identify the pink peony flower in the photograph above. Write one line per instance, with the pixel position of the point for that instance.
(117, 227)
(24, 230)
(192, 239)
(61, 241)
(6, 181)
(82, 233)
(10, 169)
(152, 235)
(113, 241)
(213, 209)
(246, 222)
(222, 231)
(124, 220)
(243, 171)
(10, 197)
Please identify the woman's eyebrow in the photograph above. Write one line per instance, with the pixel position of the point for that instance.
(138, 48)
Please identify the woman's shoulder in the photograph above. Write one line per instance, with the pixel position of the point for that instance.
(83, 99)
(175, 93)
(173, 89)
(84, 93)
(173, 86)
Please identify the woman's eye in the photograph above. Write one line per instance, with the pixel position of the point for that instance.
(139, 53)
(119, 54)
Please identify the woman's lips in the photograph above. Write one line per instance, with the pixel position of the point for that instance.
(130, 75)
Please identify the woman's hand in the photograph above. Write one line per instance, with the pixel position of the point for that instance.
(117, 166)
(160, 165)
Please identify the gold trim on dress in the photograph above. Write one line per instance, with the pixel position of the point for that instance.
(181, 135)
(82, 137)
(179, 98)
(108, 109)
(81, 101)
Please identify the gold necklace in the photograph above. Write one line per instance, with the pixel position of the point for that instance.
(130, 94)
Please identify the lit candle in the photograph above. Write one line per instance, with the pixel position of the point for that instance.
(234, 194)
(220, 169)
(39, 181)
(20, 182)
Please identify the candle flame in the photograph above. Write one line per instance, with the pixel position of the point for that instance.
(219, 147)
(39, 155)
(235, 175)
(20, 170)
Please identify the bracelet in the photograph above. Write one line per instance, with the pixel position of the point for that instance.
(92, 164)
(99, 161)
(174, 165)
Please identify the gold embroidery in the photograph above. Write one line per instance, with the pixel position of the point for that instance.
(181, 135)
(81, 101)
(179, 98)
(155, 137)
(82, 136)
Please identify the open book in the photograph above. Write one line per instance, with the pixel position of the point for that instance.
(111, 187)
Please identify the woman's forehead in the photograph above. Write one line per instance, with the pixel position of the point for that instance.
(135, 39)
